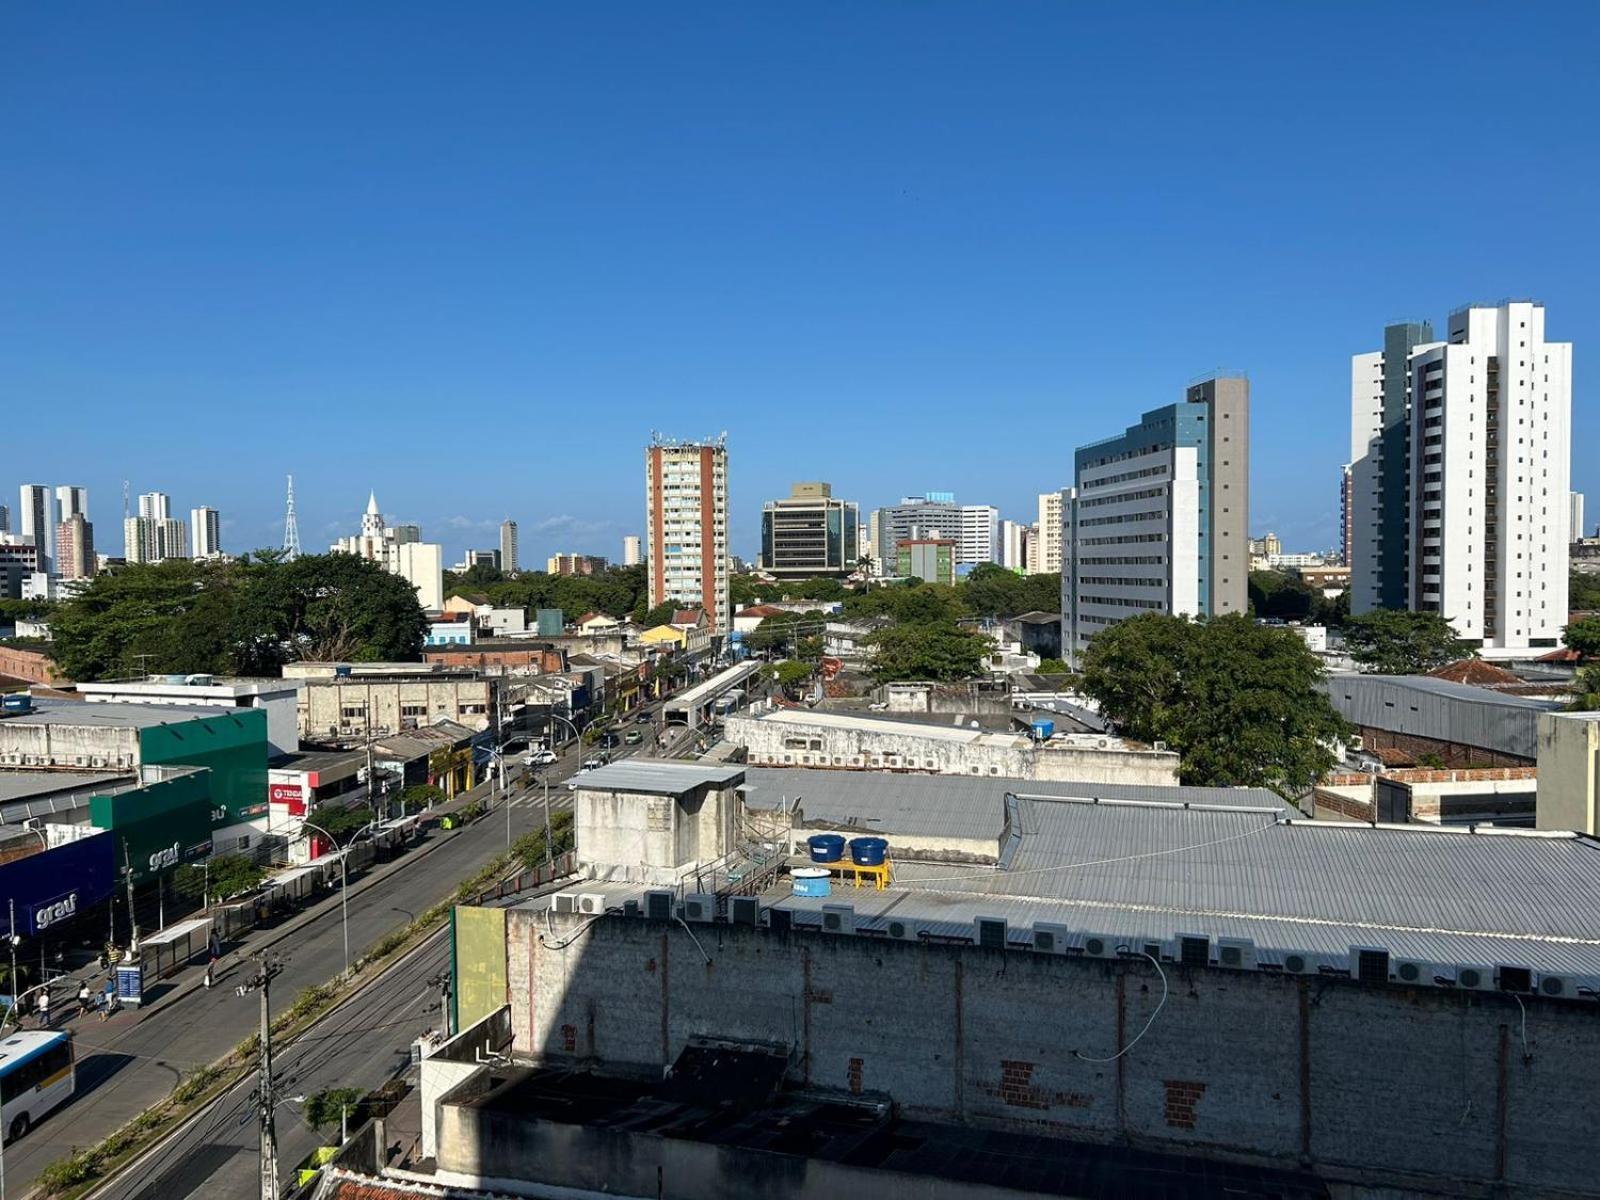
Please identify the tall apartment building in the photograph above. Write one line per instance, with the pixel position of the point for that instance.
(75, 558)
(1157, 517)
(686, 526)
(71, 501)
(575, 564)
(508, 546)
(36, 521)
(632, 550)
(1461, 454)
(810, 534)
(205, 532)
(5, 519)
(1347, 513)
(1575, 529)
(1014, 546)
(932, 560)
(1048, 560)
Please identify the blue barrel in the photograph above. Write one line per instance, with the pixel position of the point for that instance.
(810, 881)
(868, 851)
(826, 847)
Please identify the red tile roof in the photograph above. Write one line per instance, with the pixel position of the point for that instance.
(1475, 671)
(760, 610)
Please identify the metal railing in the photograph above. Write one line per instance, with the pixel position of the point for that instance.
(529, 879)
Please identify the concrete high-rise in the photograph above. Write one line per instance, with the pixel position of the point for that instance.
(686, 526)
(37, 521)
(75, 557)
(1014, 546)
(71, 501)
(1157, 518)
(1347, 513)
(1575, 517)
(1461, 457)
(632, 551)
(419, 563)
(5, 519)
(508, 546)
(1049, 556)
(974, 528)
(205, 532)
(810, 533)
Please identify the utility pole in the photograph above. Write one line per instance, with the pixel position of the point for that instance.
(442, 982)
(133, 917)
(266, 1093)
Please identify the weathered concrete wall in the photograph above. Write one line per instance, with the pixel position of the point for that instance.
(1373, 1086)
(650, 839)
(389, 706)
(90, 746)
(1157, 768)
(1569, 772)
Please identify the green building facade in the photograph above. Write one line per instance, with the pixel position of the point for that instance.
(231, 745)
(158, 826)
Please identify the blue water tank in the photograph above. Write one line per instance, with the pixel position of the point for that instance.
(868, 851)
(826, 847)
(810, 881)
(341, 672)
(1043, 729)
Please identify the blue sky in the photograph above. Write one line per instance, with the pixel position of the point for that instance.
(471, 255)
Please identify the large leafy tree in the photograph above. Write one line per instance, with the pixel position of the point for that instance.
(327, 607)
(1583, 635)
(1583, 591)
(1239, 702)
(1392, 641)
(991, 590)
(938, 650)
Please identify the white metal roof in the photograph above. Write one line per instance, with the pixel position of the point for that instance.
(654, 776)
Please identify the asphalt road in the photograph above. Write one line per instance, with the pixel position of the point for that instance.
(360, 1045)
(133, 1061)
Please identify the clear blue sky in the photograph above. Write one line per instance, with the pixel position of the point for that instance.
(471, 255)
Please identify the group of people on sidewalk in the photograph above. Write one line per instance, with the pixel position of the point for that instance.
(105, 1002)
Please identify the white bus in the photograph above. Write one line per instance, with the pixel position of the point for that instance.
(36, 1075)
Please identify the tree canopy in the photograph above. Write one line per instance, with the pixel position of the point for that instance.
(617, 591)
(1392, 641)
(247, 617)
(1284, 595)
(1583, 635)
(1239, 702)
(936, 650)
(1583, 591)
(990, 590)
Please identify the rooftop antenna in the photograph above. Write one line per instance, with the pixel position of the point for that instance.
(291, 529)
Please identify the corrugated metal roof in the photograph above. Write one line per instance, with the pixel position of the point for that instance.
(955, 806)
(1423, 706)
(656, 777)
(1154, 871)
(717, 684)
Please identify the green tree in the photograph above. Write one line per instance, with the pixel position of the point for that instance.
(327, 607)
(661, 614)
(221, 877)
(939, 650)
(1280, 595)
(531, 849)
(420, 796)
(1583, 635)
(338, 820)
(1239, 702)
(1053, 666)
(1583, 591)
(790, 674)
(333, 1107)
(1399, 642)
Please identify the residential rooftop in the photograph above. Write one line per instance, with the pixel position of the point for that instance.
(110, 714)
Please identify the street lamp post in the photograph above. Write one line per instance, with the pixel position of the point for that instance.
(549, 840)
(344, 889)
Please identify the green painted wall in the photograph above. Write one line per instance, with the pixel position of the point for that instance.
(233, 745)
(157, 827)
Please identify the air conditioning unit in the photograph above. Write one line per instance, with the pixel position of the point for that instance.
(1051, 939)
(744, 910)
(991, 932)
(1302, 962)
(564, 902)
(1369, 964)
(838, 918)
(1513, 979)
(699, 906)
(1475, 977)
(1238, 954)
(1101, 945)
(902, 930)
(1159, 747)
(1191, 950)
(591, 903)
(1558, 987)
(1420, 974)
(658, 906)
(1357, 744)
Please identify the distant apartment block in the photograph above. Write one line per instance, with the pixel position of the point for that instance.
(419, 563)
(810, 534)
(1575, 517)
(575, 564)
(632, 550)
(1460, 456)
(1015, 538)
(36, 520)
(75, 557)
(1347, 513)
(508, 546)
(686, 526)
(205, 532)
(1156, 520)
(975, 528)
(1049, 556)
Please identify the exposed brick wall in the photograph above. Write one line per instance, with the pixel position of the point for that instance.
(30, 666)
(853, 1076)
(1345, 806)
(1452, 754)
(1183, 1101)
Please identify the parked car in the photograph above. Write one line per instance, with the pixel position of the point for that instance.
(592, 764)
(642, 719)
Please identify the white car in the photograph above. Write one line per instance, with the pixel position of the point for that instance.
(539, 758)
(592, 764)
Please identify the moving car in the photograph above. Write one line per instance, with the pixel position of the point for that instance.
(634, 737)
(539, 758)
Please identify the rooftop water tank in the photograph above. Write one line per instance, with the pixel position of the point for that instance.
(826, 847)
(1044, 730)
(868, 851)
(810, 881)
(341, 672)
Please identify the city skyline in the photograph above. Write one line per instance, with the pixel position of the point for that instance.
(1047, 304)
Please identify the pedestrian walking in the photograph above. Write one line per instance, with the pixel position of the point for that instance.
(210, 966)
(110, 994)
(44, 1007)
(83, 998)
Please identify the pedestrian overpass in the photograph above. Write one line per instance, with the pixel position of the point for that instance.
(698, 705)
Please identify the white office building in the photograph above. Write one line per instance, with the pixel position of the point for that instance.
(632, 550)
(1461, 455)
(1157, 520)
(1014, 539)
(1048, 560)
(1575, 519)
(205, 531)
(974, 528)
